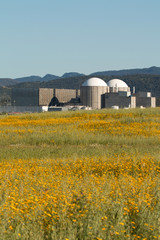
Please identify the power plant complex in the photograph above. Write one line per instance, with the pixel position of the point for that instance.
(94, 93)
(115, 93)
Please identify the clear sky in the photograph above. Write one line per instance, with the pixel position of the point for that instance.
(57, 36)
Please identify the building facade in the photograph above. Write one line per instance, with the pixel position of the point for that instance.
(94, 93)
(42, 96)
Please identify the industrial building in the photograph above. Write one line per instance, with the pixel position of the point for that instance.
(94, 93)
(91, 92)
(98, 94)
(43, 96)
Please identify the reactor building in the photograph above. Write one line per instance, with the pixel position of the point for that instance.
(98, 94)
(94, 93)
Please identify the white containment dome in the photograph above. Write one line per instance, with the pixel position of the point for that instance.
(117, 85)
(94, 82)
(92, 91)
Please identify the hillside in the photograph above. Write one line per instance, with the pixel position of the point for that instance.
(50, 77)
(152, 70)
(7, 82)
(141, 82)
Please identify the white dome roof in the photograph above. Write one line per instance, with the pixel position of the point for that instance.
(91, 82)
(117, 83)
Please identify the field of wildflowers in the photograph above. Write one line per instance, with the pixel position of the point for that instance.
(80, 175)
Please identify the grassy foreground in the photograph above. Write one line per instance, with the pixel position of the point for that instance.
(80, 175)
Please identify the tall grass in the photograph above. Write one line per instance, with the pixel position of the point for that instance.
(80, 175)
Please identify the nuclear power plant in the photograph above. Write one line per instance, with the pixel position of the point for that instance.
(94, 93)
(115, 93)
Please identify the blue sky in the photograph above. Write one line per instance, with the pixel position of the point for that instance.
(57, 36)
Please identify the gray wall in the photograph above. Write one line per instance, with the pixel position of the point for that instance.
(41, 96)
(65, 95)
(133, 102)
(11, 109)
(25, 97)
(115, 89)
(45, 96)
(91, 96)
(113, 99)
(146, 101)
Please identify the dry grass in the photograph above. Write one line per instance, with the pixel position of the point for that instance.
(82, 175)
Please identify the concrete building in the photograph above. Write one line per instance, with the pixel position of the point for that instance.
(120, 100)
(42, 96)
(145, 99)
(66, 95)
(119, 95)
(97, 94)
(25, 97)
(94, 93)
(117, 85)
(91, 93)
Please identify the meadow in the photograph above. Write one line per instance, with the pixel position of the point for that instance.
(86, 175)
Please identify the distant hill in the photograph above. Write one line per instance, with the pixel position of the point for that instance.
(72, 74)
(46, 78)
(28, 79)
(7, 82)
(49, 77)
(66, 83)
(142, 82)
(152, 70)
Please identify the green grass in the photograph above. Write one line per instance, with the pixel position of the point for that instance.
(67, 140)
(106, 184)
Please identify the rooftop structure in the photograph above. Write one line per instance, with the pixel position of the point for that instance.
(94, 82)
(117, 83)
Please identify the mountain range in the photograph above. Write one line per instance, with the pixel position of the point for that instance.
(49, 77)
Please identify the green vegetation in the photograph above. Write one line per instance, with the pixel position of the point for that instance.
(67, 139)
(86, 175)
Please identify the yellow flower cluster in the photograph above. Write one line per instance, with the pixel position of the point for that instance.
(117, 127)
(82, 190)
(52, 193)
